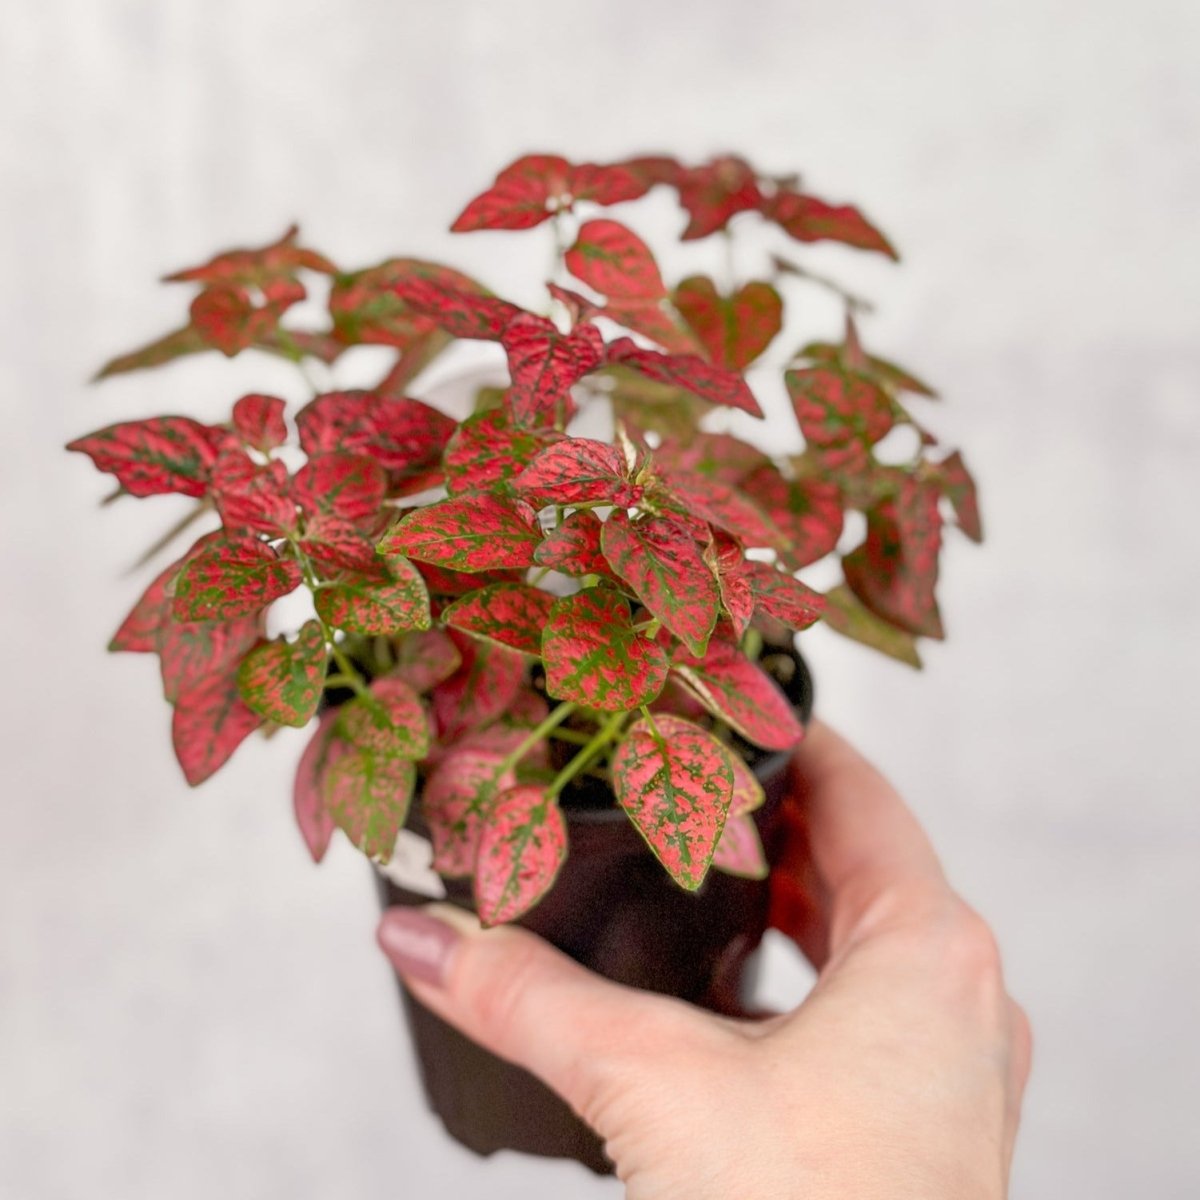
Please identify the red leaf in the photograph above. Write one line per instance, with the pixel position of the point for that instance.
(478, 532)
(612, 183)
(846, 615)
(259, 422)
(594, 656)
(840, 414)
(165, 349)
(574, 547)
(209, 723)
(444, 582)
(740, 850)
(894, 572)
(579, 308)
(954, 480)
(675, 782)
(544, 365)
(881, 370)
(487, 450)
(715, 192)
(719, 504)
(139, 631)
(524, 195)
(808, 511)
(282, 680)
(192, 651)
(784, 597)
(315, 823)
(808, 219)
(462, 314)
(512, 614)
(711, 383)
(367, 795)
(348, 486)
(425, 659)
(748, 794)
(230, 578)
(512, 728)
(229, 320)
(390, 721)
(521, 848)
(262, 267)
(377, 606)
(455, 803)
(720, 456)
(252, 498)
(482, 688)
(660, 561)
(159, 455)
(579, 471)
(728, 562)
(736, 329)
(615, 262)
(335, 545)
(741, 693)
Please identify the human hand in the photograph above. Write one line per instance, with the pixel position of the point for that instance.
(899, 1076)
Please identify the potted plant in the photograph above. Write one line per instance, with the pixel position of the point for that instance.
(565, 619)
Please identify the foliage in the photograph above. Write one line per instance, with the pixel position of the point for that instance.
(502, 608)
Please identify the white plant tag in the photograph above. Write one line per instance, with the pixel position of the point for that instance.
(412, 866)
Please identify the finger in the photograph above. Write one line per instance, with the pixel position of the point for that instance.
(865, 842)
(517, 996)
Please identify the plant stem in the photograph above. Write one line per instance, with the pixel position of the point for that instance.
(599, 741)
(557, 717)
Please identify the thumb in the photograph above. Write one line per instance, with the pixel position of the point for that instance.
(516, 995)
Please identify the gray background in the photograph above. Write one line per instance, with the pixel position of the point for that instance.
(189, 1009)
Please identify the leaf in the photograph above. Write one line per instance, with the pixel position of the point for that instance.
(736, 329)
(658, 558)
(462, 314)
(742, 694)
(487, 450)
(740, 850)
(954, 480)
(714, 193)
(258, 267)
(475, 532)
(881, 370)
(512, 614)
(576, 471)
(138, 633)
(894, 572)
(711, 383)
(718, 504)
(483, 687)
(784, 597)
(209, 723)
(595, 657)
(573, 548)
(191, 652)
(315, 824)
(390, 721)
(377, 606)
(720, 456)
(521, 196)
(155, 456)
(367, 796)
(348, 486)
(173, 345)
(808, 511)
(259, 422)
(230, 578)
(282, 680)
(840, 414)
(727, 559)
(748, 794)
(849, 617)
(455, 803)
(426, 658)
(251, 497)
(521, 848)
(335, 545)
(675, 782)
(544, 365)
(808, 219)
(229, 320)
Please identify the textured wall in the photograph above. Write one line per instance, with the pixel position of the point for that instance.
(187, 1008)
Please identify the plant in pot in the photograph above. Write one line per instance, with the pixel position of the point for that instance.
(565, 618)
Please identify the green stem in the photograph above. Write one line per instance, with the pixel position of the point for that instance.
(557, 717)
(594, 748)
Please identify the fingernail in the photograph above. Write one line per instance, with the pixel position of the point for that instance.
(419, 945)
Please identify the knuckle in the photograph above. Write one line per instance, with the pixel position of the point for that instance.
(971, 944)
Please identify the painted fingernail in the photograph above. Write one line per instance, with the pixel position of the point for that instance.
(418, 944)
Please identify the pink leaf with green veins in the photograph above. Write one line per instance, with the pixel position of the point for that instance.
(156, 456)
(736, 329)
(425, 659)
(807, 511)
(881, 370)
(349, 486)
(315, 824)
(139, 631)
(545, 365)
(784, 597)
(335, 545)
(521, 196)
(839, 412)
(728, 561)
(521, 848)
(659, 559)
(675, 782)
(444, 582)
(390, 721)
(595, 657)
(260, 266)
(711, 383)
(455, 803)
(282, 680)
(487, 451)
(368, 795)
(894, 572)
(720, 456)
(954, 480)
(578, 470)
(462, 314)
(808, 219)
(191, 651)
(251, 498)
(476, 532)
(726, 507)
(574, 547)
(485, 684)
(740, 850)
(209, 723)
(846, 614)
(748, 794)
(377, 606)
(171, 346)
(512, 614)
(232, 578)
(742, 694)
(259, 421)
(714, 193)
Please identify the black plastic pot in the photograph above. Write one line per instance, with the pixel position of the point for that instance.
(614, 909)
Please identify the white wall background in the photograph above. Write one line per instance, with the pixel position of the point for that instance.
(187, 1008)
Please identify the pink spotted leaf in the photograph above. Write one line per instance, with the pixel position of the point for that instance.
(389, 721)
(367, 796)
(259, 422)
(394, 604)
(155, 456)
(455, 803)
(740, 850)
(308, 804)
(521, 848)
(282, 680)
(232, 578)
(475, 532)
(512, 614)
